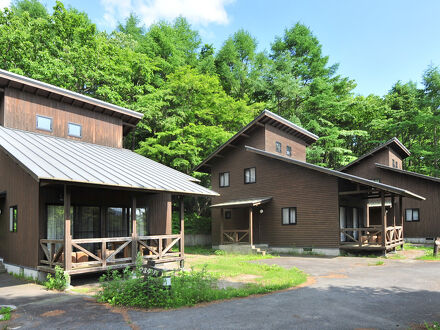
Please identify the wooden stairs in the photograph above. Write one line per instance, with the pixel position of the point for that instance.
(258, 251)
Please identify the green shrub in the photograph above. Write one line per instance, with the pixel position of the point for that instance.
(194, 224)
(60, 281)
(6, 313)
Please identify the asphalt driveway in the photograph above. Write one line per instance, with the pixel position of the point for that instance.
(342, 293)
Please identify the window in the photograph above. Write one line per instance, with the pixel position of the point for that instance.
(13, 215)
(249, 175)
(224, 179)
(289, 151)
(44, 123)
(278, 146)
(289, 215)
(412, 215)
(74, 130)
(228, 214)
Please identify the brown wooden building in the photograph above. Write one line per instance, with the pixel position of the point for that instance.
(70, 195)
(384, 164)
(270, 195)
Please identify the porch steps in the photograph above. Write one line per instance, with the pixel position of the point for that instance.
(2, 268)
(259, 251)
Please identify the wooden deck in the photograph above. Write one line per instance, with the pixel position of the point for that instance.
(371, 238)
(114, 252)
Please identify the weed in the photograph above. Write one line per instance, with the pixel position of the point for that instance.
(60, 281)
(377, 263)
(5, 312)
(432, 326)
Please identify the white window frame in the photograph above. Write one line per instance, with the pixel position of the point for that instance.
(72, 134)
(50, 129)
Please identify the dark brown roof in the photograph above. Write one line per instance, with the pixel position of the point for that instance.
(393, 143)
(10, 79)
(349, 177)
(270, 118)
(418, 175)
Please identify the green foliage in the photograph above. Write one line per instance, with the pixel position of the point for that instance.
(194, 224)
(5, 312)
(59, 282)
(432, 326)
(196, 286)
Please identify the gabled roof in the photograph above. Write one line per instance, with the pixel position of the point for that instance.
(349, 177)
(393, 143)
(9, 79)
(51, 158)
(418, 175)
(253, 201)
(269, 118)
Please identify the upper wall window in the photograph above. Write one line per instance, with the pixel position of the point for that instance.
(224, 179)
(412, 215)
(289, 215)
(13, 217)
(44, 123)
(288, 151)
(74, 130)
(250, 175)
(278, 146)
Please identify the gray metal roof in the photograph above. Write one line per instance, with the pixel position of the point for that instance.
(253, 201)
(52, 158)
(415, 174)
(342, 175)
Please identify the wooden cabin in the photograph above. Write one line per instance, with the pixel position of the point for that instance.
(385, 164)
(70, 195)
(271, 197)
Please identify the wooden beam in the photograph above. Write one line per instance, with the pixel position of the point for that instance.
(401, 217)
(367, 223)
(67, 234)
(383, 216)
(251, 226)
(182, 232)
(134, 243)
(232, 146)
(394, 210)
(245, 135)
(221, 225)
(354, 192)
(259, 124)
(219, 156)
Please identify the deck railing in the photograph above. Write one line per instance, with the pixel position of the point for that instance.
(235, 236)
(99, 254)
(372, 237)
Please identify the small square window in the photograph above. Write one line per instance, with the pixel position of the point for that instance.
(250, 175)
(228, 214)
(278, 146)
(289, 151)
(74, 130)
(13, 217)
(412, 215)
(224, 179)
(44, 123)
(288, 215)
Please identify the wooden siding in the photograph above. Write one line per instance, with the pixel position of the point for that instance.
(21, 109)
(429, 224)
(20, 248)
(397, 159)
(314, 194)
(273, 135)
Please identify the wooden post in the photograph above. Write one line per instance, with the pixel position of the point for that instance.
(134, 246)
(401, 217)
(182, 232)
(251, 226)
(67, 234)
(394, 210)
(367, 221)
(383, 215)
(222, 215)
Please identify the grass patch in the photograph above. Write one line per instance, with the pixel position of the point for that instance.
(198, 249)
(201, 284)
(429, 251)
(432, 326)
(5, 312)
(377, 263)
(25, 278)
(395, 256)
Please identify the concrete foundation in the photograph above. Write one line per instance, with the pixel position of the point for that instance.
(331, 252)
(197, 239)
(419, 240)
(26, 272)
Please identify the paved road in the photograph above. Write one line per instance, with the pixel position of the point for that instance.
(343, 293)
